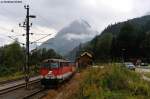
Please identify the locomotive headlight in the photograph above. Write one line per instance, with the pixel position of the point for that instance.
(50, 73)
(47, 77)
(41, 77)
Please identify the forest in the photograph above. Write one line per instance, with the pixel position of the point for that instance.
(12, 58)
(126, 40)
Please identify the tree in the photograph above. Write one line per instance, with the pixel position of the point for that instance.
(103, 47)
(145, 46)
(14, 56)
(127, 40)
(38, 55)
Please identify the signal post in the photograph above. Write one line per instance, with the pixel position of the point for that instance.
(26, 24)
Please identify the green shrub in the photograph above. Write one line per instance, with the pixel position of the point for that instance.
(112, 82)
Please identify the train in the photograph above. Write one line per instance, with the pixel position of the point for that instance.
(55, 71)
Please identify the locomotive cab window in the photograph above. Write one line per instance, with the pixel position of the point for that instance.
(47, 64)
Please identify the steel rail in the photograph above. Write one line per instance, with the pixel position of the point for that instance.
(34, 93)
(3, 91)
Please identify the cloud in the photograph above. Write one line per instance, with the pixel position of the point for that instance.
(99, 13)
(83, 37)
(55, 14)
(42, 33)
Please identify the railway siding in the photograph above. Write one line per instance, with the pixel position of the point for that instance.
(16, 89)
(16, 83)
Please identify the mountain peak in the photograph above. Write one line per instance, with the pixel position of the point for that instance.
(81, 22)
(78, 31)
(77, 27)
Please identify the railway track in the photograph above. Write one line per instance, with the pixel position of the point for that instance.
(17, 86)
(12, 80)
(29, 96)
(36, 91)
(39, 94)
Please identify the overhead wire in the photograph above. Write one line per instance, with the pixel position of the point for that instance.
(15, 40)
(43, 42)
(7, 30)
(9, 36)
(43, 32)
(40, 34)
(40, 39)
(2, 28)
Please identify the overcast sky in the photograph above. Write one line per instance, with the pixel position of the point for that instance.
(52, 15)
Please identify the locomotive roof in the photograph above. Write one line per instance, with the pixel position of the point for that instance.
(55, 60)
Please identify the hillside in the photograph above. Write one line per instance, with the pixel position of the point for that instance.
(69, 37)
(129, 39)
(137, 22)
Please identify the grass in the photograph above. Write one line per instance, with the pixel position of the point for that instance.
(13, 73)
(112, 82)
(13, 76)
(147, 74)
(16, 75)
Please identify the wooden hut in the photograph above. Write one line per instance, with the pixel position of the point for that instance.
(84, 60)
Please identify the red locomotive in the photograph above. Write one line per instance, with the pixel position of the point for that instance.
(54, 71)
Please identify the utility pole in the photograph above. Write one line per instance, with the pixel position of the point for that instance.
(27, 46)
(123, 55)
(27, 26)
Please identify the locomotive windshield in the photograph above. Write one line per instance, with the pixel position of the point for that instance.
(54, 65)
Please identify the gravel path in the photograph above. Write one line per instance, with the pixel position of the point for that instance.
(65, 90)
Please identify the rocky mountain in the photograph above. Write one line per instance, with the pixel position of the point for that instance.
(79, 31)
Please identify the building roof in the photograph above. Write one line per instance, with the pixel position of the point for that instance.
(55, 60)
(86, 53)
